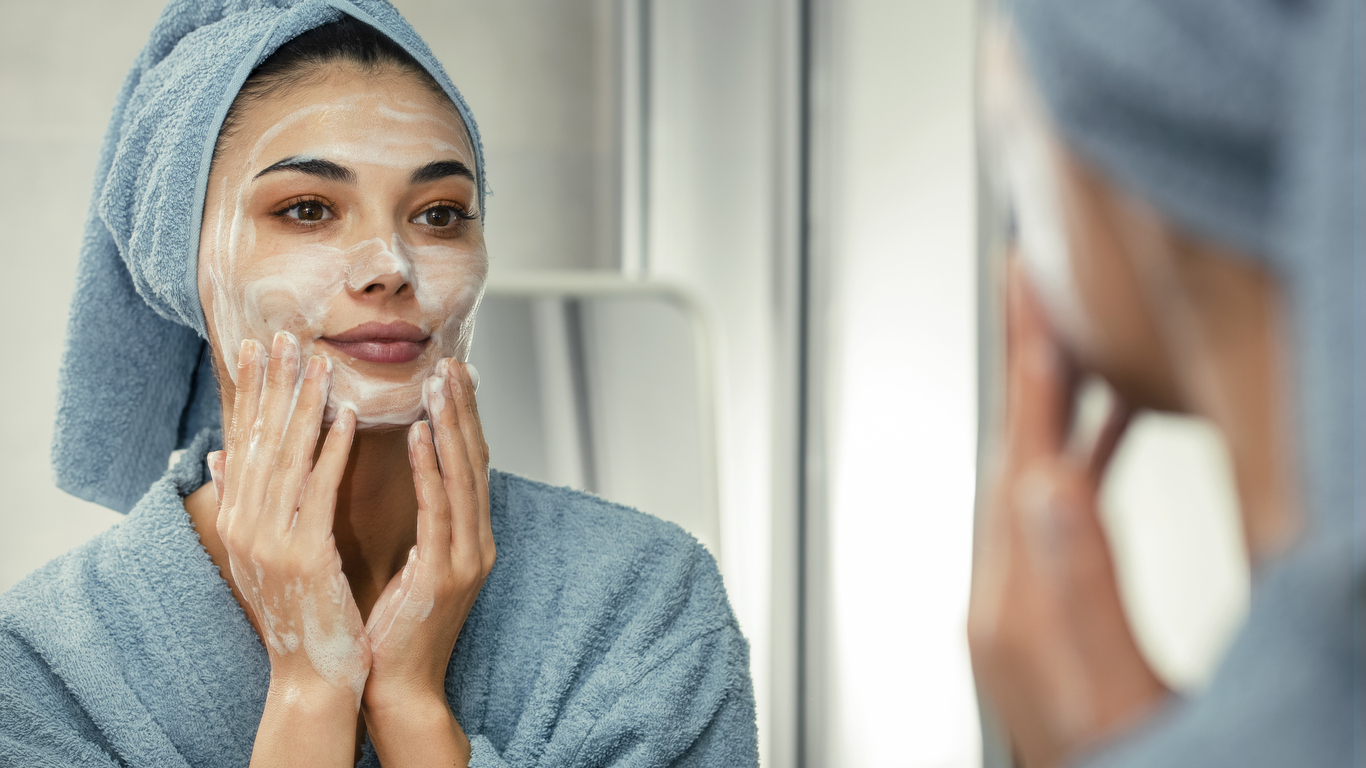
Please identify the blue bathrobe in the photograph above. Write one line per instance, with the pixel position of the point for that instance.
(602, 637)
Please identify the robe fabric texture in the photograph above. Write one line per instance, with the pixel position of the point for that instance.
(602, 637)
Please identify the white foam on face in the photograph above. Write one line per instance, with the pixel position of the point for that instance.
(261, 285)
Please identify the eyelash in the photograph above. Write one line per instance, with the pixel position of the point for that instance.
(461, 215)
(289, 205)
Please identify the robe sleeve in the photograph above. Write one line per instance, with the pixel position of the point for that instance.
(40, 723)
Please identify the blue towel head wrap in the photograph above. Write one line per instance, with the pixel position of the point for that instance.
(1240, 121)
(136, 379)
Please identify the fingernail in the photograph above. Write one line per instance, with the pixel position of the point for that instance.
(316, 365)
(246, 353)
(436, 398)
(414, 436)
(473, 373)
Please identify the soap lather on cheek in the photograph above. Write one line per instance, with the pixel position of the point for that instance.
(295, 291)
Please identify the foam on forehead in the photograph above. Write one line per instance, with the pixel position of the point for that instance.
(385, 132)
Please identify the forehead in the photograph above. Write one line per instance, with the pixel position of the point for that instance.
(389, 119)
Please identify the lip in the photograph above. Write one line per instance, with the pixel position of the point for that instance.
(375, 342)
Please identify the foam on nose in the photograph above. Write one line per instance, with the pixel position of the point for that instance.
(373, 259)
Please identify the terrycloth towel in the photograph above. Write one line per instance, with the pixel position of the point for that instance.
(135, 381)
(602, 637)
(1241, 120)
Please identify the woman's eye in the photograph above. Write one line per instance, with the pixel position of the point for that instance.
(309, 210)
(439, 216)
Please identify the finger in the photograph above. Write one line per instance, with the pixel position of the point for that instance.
(477, 448)
(468, 521)
(277, 400)
(1081, 571)
(1037, 386)
(433, 508)
(251, 369)
(295, 458)
(216, 460)
(1116, 425)
(456, 471)
(319, 502)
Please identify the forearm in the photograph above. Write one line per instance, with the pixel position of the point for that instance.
(419, 733)
(306, 728)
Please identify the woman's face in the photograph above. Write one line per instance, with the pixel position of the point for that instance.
(344, 211)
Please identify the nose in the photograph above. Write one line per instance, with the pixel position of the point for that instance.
(377, 270)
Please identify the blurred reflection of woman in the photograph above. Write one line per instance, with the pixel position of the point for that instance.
(287, 230)
(1185, 177)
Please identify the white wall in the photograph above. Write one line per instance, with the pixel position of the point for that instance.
(895, 223)
(61, 64)
(716, 221)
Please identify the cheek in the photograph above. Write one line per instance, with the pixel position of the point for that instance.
(256, 295)
(299, 282)
(449, 282)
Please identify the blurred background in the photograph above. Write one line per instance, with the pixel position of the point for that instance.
(734, 283)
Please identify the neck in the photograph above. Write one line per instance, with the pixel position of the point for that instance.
(375, 524)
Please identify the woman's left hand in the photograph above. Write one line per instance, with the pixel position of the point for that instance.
(1051, 646)
(414, 624)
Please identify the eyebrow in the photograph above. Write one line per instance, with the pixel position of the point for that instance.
(323, 169)
(440, 170)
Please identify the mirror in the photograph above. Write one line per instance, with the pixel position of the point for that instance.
(603, 384)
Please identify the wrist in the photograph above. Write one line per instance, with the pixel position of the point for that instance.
(420, 730)
(381, 700)
(319, 721)
(312, 699)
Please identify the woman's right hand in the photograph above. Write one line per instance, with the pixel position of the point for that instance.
(275, 520)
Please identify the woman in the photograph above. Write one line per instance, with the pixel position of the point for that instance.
(1184, 183)
(290, 204)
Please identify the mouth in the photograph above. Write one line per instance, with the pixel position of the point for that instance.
(375, 342)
